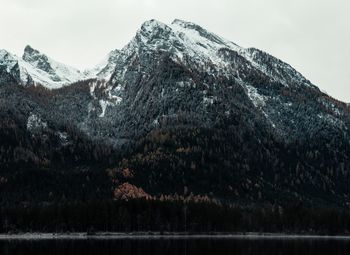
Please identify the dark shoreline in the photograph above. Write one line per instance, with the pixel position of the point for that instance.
(166, 235)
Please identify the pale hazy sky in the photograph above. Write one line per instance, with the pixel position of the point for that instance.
(311, 35)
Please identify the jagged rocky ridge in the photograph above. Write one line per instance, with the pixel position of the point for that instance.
(35, 68)
(186, 109)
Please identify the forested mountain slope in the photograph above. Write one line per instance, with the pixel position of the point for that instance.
(179, 112)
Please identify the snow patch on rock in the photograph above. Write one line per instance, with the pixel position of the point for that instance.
(35, 123)
(257, 99)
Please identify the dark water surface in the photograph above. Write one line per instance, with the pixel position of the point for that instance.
(184, 246)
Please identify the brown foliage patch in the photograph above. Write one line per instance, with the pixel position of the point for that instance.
(127, 191)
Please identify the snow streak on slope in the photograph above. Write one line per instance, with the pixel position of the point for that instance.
(105, 68)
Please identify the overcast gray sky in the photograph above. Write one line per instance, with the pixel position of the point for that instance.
(311, 35)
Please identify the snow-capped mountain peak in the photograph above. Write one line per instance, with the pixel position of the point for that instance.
(35, 68)
(187, 51)
(153, 24)
(180, 39)
(153, 33)
(52, 74)
(31, 55)
(183, 41)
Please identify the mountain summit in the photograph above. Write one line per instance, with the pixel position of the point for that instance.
(51, 73)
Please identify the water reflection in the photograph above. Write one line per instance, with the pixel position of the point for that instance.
(177, 246)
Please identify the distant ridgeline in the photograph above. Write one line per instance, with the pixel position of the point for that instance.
(181, 130)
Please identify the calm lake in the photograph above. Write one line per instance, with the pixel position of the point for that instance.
(183, 246)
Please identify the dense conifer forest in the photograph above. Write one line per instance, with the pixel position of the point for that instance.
(177, 178)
